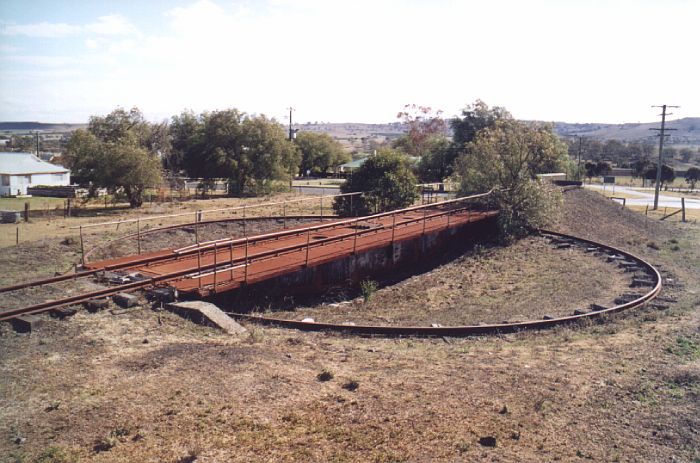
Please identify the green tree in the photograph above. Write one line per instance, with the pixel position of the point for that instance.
(475, 117)
(117, 152)
(319, 153)
(668, 175)
(590, 169)
(507, 157)
(437, 162)
(251, 152)
(386, 181)
(603, 168)
(692, 176)
(423, 125)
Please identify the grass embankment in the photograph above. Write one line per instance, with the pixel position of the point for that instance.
(149, 386)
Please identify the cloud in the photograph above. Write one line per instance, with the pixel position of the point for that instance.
(113, 24)
(43, 29)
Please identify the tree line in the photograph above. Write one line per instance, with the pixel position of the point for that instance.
(123, 152)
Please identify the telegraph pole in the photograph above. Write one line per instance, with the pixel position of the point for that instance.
(662, 134)
(292, 136)
(580, 141)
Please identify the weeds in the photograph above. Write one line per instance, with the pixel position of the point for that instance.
(256, 335)
(368, 288)
(53, 455)
(324, 376)
(685, 347)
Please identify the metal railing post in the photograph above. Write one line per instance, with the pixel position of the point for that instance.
(230, 254)
(425, 213)
(354, 244)
(215, 264)
(284, 215)
(321, 208)
(199, 267)
(245, 277)
(393, 227)
(308, 244)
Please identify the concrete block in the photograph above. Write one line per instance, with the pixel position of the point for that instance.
(64, 312)
(125, 300)
(164, 295)
(207, 314)
(95, 305)
(26, 323)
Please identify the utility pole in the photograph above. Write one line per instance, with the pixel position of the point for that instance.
(662, 134)
(292, 136)
(578, 172)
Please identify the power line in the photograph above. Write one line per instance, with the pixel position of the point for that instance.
(662, 134)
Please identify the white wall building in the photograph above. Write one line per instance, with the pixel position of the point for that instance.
(19, 171)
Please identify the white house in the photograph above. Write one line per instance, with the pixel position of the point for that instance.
(18, 171)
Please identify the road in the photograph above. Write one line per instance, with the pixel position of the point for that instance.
(640, 198)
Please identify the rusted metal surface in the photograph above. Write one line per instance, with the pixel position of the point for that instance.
(211, 266)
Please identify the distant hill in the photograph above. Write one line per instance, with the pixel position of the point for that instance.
(357, 135)
(42, 126)
(687, 131)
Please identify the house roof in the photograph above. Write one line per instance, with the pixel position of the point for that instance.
(25, 164)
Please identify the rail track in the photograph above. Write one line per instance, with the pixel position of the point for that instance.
(203, 267)
(490, 329)
(225, 264)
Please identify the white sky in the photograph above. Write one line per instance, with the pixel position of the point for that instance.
(350, 61)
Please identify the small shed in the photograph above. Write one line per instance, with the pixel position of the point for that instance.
(19, 171)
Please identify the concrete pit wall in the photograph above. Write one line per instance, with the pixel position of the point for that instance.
(379, 263)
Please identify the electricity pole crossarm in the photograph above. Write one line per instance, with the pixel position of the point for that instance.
(662, 134)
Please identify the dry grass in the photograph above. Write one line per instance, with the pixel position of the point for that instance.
(149, 386)
(524, 281)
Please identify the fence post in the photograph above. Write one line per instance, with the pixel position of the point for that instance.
(351, 214)
(82, 247)
(308, 244)
(17, 237)
(245, 228)
(26, 212)
(683, 209)
(284, 215)
(425, 213)
(138, 234)
(393, 226)
(196, 227)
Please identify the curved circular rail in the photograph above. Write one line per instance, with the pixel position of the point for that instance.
(472, 330)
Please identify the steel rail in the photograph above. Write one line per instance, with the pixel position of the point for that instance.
(474, 330)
